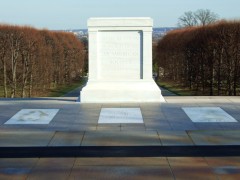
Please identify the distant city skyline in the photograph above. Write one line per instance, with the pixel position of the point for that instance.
(73, 14)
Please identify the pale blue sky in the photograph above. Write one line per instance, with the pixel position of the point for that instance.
(73, 14)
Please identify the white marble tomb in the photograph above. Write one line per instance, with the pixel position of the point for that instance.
(120, 62)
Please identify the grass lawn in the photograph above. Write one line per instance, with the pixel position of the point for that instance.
(61, 90)
(56, 92)
(175, 88)
(1, 91)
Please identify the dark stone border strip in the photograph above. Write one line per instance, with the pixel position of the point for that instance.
(120, 151)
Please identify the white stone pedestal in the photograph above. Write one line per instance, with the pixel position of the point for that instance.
(124, 92)
(120, 62)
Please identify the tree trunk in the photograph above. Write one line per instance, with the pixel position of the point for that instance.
(211, 79)
(24, 75)
(219, 71)
(30, 85)
(15, 46)
(26, 64)
(4, 78)
(14, 79)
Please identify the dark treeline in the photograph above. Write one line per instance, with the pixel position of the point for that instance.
(32, 61)
(204, 59)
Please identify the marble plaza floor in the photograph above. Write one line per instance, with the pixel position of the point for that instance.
(181, 121)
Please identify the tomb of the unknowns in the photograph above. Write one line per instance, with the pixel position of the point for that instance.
(120, 62)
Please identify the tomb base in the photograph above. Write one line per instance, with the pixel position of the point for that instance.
(121, 92)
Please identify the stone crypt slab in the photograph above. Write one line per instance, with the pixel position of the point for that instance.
(120, 62)
(120, 115)
(33, 116)
(208, 114)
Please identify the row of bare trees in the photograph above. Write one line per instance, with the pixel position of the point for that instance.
(32, 61)
(206, 59)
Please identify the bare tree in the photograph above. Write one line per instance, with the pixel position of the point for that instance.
(15, 38)
(28, 54)
(188, 19)
(3, 56)
(205, 17)
(200, 17)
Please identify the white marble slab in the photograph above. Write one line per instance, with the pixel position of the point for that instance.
(208, 114)
(33, 116)
(120, 115)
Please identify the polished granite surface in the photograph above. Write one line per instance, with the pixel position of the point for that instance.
(164, 124)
